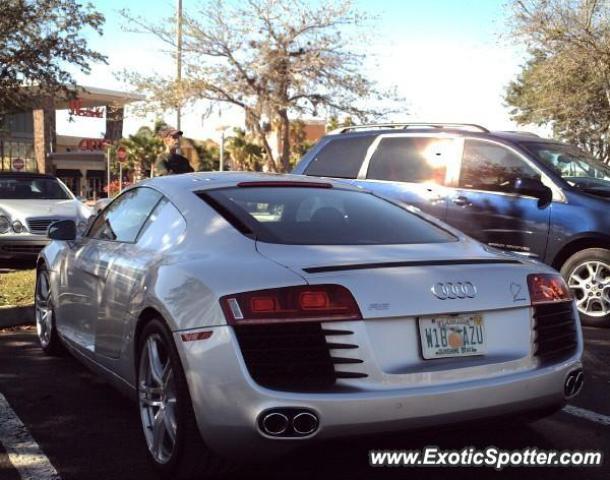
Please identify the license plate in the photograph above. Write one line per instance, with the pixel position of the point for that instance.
(452, 336)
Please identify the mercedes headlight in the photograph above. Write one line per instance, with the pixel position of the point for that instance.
(5, 224)
(17, 226)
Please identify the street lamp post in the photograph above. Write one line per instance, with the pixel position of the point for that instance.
(178, 59)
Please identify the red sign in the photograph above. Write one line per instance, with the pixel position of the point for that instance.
(121, 154)
(93, 144)
(76, 108)
(18, 164)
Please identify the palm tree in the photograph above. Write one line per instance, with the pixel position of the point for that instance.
(142, 149)
(245, 155)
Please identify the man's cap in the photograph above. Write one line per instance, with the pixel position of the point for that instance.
(169, 132)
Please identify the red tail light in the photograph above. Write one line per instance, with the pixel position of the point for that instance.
(547, 288)
(291, 304)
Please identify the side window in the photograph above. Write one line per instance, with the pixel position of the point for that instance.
(487, 166)
(163, 229)
(125, 217)
(411, 159)
(340, 158)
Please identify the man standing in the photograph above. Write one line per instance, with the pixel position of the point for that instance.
(170, 162)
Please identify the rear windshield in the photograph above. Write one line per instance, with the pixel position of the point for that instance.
(321, 216)
(32, 188)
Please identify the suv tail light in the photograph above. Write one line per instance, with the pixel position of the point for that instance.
(547, 288)
(291, 304)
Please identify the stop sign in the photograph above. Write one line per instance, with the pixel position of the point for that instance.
(121, 154)
(18, 164)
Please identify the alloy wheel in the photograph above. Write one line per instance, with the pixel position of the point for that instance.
(44, 310)
(590, 284)
(157, 398)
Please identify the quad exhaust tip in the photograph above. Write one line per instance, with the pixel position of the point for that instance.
(288, 422)
(275, 423)
(305, 423)
(574, 383)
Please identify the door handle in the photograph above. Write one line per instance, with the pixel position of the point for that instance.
(461, 201)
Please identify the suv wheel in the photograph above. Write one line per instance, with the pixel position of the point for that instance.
(175, 446)
(588, 275)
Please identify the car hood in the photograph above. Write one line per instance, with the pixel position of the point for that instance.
(22, 209)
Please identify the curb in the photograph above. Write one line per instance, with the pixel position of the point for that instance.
(14, 316)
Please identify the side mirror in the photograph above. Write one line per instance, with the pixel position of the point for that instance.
(63, 230)
(534, 188)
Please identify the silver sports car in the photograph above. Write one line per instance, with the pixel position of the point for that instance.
(249, 313)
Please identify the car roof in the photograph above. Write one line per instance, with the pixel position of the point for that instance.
(199, 181)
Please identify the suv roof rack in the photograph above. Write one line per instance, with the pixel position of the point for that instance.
(465, 126)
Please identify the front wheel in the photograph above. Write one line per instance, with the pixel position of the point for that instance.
(174, 444)
(588, 276)
(45, 315)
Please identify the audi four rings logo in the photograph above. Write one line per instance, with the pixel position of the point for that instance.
(454, 290)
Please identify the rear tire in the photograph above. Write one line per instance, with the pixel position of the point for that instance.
(45, 315)
(587, 273)
(174, 444)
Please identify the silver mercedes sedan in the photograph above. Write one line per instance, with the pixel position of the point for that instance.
(29, 203)
(248, 314)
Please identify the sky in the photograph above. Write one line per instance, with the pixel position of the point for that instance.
(449, 59)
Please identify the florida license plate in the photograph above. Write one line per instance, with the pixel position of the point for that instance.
(452, 336)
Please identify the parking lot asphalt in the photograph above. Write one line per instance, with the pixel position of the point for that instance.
(89, 431)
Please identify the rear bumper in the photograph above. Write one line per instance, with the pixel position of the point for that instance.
(22, 246)
(227, 403)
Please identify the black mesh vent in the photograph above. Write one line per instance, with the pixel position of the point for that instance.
(294, 356)
(555, 326)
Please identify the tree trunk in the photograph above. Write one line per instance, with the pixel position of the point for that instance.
(285, 140)
(253, 121)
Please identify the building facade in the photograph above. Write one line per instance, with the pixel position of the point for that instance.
(29, 140)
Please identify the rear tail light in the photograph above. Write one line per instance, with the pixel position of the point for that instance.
(291, 304)
(547, 288)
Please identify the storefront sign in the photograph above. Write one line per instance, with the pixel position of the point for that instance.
(93, 144)
(76, 108)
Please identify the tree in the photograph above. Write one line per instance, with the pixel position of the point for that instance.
(39, 41)
(271, 58)
(209, 155)
(298, 142)
(334, 123)
(566, 82)
(142, 149)
(245, 155)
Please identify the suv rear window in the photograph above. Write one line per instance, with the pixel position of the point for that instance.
(321, 216)
(340, 158)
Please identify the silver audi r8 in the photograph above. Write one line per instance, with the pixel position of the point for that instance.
(248, 314)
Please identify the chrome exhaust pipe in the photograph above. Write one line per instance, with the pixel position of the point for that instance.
(305, 423)
(275, 423)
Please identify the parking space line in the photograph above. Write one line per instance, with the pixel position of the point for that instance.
(587, 414)
(22, 450)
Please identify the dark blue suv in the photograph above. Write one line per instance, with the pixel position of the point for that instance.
(515, 191)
